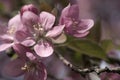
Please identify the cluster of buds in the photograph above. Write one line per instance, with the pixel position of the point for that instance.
(33, 35)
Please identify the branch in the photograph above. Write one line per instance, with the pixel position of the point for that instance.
(87, 70)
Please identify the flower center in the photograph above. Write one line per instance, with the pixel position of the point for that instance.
(38, 27)
(39, 30)
(39, 33)
(28, 66)
(11, 31)
(75, 22)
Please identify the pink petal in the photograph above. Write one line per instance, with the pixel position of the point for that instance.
(42, 73)
(6, 42)
(87, 24)
(30, 75)
(21, 35)
(56, 31)
(43, 49)
(28, 42)
(21, 50)
(5, 46)
(79, 35)
(29, 7)
(73, 12)
(13, 68)
(47, 20)
(30, 56)
(68, 22)
(29, 19)
(6, 37)
(38, 74)
(64, 14)
(15, 23)
(65, 11)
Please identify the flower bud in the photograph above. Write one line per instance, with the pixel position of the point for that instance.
(29, 7)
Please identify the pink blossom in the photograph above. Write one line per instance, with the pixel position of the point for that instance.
(41, 29)
(73, 24)
(9, 37)
(31, 29)
(27, 64)
(29, 7)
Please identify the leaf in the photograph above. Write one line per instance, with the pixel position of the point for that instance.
(95, 32)
(1, 7)
(107, 45)
(88, 47)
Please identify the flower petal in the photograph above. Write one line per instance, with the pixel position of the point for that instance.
(79, 35)
(61, 39)
(47, 20)
(6, 37)
(86, 24)
(13, 68)
(30, 75)
(22, 35)
(30, 56)
(29, 19)
(21, 50)
(56, 31)
(38, 74)
(29, 7)
(73, 11)
(16, 24)
(43, 49)
(28, 42)
(64, 14)
(42, 73)
(6, 42)
(5, 46)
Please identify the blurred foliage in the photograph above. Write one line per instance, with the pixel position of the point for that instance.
(95, 32)
(88, 47)
(107, 45)
(1, 7)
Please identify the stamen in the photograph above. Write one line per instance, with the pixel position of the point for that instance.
(35, 27)
(38, 27)
(25, 67)
(28, 66)
(11, 30)
(75, 22)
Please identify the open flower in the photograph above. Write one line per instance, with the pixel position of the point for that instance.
(31, 29)
(9, 37)
(73, 25)
(41, 30)
(26, 64)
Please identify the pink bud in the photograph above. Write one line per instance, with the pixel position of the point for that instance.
(29, 7)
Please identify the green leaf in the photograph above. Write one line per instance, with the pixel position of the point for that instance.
(88, 47)
(2, 8)
(95, 32)
(15, 56)
(107, 45)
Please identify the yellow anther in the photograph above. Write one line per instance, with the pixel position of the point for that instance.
(25, 67)
(11, 30)
(38, 27)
